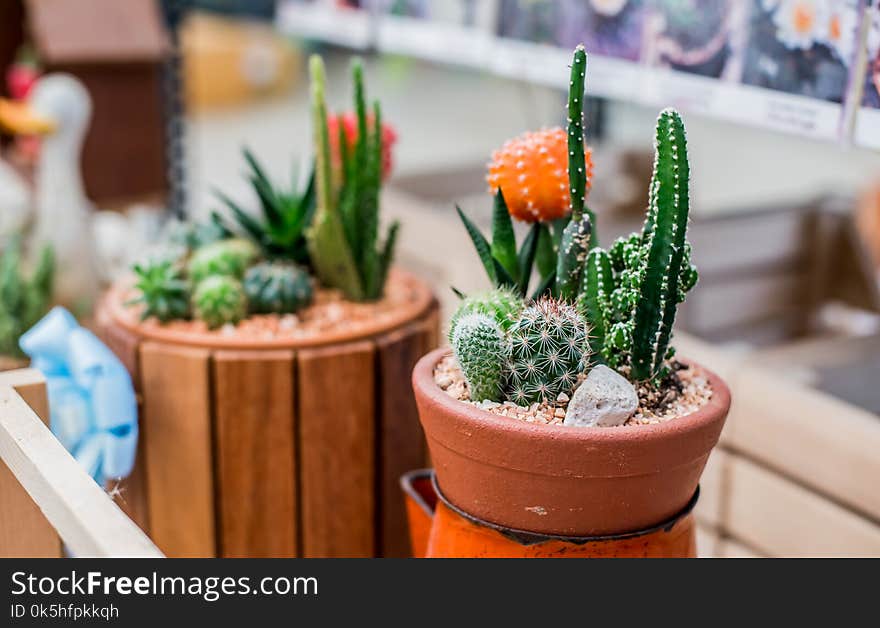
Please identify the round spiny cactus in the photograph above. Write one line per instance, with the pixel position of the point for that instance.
(163, 290)
(501, 304)
(225, 257)
(548, 346)
(277, 288)
(481, 350)
(218, 300)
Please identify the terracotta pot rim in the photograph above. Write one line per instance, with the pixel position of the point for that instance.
(423, 377)
(565, 451)
(113, 304)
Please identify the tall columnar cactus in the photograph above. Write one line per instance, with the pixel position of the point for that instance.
(343, 239)
(548, 349)
(23, 300)
(481, 349)
(631, 292)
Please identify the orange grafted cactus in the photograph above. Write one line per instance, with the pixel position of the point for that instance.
(532, 172)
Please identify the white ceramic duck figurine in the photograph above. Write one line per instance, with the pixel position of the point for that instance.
(60, 109)
(15, 202)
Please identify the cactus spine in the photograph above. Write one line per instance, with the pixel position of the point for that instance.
(219, 300)
(277, 288)
(548, 351)
(342, 240)
(481, 350)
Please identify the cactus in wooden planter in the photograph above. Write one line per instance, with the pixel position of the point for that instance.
(286, 214)
(631, 293)
(224, 257)
(23, 300)
(163, 290)
(343, 238)
(218, 300)
(277, 288)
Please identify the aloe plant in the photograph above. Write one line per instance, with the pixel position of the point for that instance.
(286, 214)
(343, 238)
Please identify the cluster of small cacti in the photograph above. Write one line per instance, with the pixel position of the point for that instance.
(591, 305)
(222, 270)
(23, 299)
(219, 283)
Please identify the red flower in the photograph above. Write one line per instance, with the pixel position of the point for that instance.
(349, 122)
(20, 79)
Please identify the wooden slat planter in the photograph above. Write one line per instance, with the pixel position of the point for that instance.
(275, 448)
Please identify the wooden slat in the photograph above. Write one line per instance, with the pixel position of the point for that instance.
(255, 457)
(75, 506)
(401, 441)
(24, 530)
(818, 440)
(337, 450)
(781, 518)
(179, 460)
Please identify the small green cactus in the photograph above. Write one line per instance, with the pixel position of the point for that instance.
(219, 300)
(277, 288)
(343, 238)
(23, 300)
(285, 215)
(548, 351)
(481, 349)
(226, 257)
(164, 291)
(501, 304)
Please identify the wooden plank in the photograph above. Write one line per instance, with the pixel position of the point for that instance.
(780, 518)
(179, 460)
(712, 490)
(337, 450)
(24, 530)
(731, 548)
(401, 441)
(255, 458)
(820, 441)
(86, 519)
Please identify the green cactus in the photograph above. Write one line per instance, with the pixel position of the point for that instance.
(343, 238)
(164, 291)
(501, 304)
(285, 215)
(218, 300)
(225, 257)
(548, 351)
(631, 292)
(481, 349)
(23, 300)
(277, 288)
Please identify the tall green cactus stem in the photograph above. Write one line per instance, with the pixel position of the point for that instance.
(501, 304)
(595, 300)
(481, 350)
(663, 245)
(548, 351)
(329, 250)
(573, 249)
(577, 173)
(343, 241)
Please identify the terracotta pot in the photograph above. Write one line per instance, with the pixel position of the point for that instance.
(267, 447)
(552, 479)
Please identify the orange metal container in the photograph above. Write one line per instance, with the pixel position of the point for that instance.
(440, 530)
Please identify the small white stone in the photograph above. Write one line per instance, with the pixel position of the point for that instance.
(605, 399)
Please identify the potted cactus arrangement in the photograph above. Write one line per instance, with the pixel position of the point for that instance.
(268, 347)
(24, 299)
(562, 409)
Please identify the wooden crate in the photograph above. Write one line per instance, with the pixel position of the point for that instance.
(286, 450)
